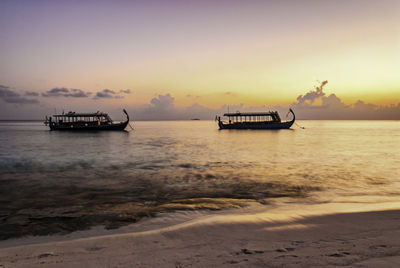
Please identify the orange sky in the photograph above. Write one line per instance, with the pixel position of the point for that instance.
(206, 52)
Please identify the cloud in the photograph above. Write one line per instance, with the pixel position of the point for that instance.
(111, 94)
(229, 93)
(162, 107)
(162, 103)
(315, 104)
(109, 91)
(31, 94)
(65, 92)
(78, 93)
(192, 96)
(311, 96)
(56, 92)
(9, 96)
(125, 91)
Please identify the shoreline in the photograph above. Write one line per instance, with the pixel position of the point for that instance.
(365, 235)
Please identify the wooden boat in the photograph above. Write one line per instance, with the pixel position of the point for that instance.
(85, 121)
(269, 120)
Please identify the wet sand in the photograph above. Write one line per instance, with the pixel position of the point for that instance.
(252, 237)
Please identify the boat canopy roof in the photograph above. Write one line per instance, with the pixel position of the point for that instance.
(73, 114)
(251, 114)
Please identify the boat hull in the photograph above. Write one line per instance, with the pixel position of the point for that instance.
(256, 125)
(111, 127)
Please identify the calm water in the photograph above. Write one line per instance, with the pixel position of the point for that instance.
(63, 181)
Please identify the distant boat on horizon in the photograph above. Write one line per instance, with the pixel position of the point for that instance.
(257, 120)
(85, 121)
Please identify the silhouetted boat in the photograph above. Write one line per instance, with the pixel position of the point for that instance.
(85, 121)
(269, 120)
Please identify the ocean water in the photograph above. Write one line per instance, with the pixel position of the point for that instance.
(57, 182)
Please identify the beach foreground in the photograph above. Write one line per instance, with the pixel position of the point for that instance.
(232, 238)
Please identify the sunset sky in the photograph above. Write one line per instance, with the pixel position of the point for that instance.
(195, 53)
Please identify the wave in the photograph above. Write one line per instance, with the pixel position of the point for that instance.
(57, 202)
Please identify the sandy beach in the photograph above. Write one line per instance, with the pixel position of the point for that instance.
(359, 236)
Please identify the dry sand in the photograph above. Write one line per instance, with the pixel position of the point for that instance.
(252, 237)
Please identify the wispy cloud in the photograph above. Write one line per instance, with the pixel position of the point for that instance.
(312, 95)
(10, 96)
(66, 92)
(31, 94)
(111, 94)
(125, 91)
(106, 93)
(230, 93)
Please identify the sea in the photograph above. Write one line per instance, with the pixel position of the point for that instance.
(54, 182)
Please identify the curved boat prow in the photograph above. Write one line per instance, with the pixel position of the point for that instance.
(294, 116)
(127, 115)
